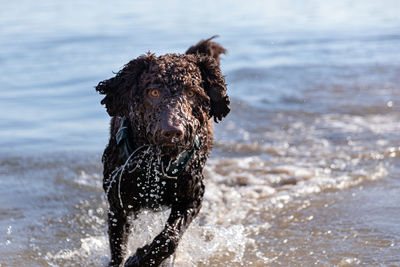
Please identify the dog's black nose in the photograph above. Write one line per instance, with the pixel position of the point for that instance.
(172, 134)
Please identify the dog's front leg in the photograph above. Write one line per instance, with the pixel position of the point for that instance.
(118, 229)
(183, 211)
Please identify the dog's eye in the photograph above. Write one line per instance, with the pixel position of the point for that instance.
(190, 93)
(154, 93)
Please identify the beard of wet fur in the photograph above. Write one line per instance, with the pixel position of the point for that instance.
(148, 127)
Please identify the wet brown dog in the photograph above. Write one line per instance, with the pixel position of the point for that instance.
(161, 135)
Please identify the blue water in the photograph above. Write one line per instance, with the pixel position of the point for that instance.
(315, 98)
(53, 54)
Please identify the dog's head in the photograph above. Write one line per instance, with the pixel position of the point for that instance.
(167, 98)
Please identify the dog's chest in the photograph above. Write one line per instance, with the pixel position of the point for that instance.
(148, 190)
(143, 183)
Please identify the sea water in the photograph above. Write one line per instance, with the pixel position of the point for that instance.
(305, 169)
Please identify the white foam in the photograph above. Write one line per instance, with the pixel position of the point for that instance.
(90, 180)
(92, 252)
(202, 243)
(378, 124)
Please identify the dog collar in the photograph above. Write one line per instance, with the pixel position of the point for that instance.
(169, 169)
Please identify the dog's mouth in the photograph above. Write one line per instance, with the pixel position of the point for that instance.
(174, 150)
(171, 150)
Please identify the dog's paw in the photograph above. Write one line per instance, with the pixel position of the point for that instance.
(132, 261)
(137, 258)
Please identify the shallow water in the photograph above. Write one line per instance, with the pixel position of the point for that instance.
(304, 170)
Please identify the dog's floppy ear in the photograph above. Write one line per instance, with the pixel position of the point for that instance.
(207, 47)
(207, 53)
(120, 88)
(215, 87)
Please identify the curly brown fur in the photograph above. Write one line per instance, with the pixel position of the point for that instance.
(207, 47)
(169, 102)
